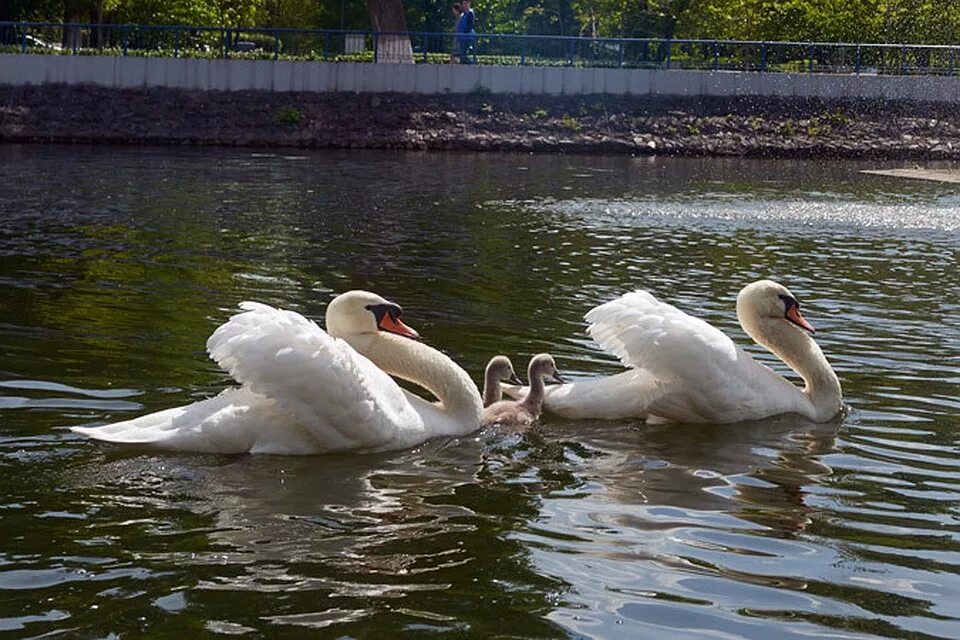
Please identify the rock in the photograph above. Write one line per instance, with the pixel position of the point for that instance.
(676, 125)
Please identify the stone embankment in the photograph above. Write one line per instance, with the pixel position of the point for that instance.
(483, 122)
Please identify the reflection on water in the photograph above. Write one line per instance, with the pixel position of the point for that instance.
(115, 265)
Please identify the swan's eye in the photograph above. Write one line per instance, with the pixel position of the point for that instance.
(386, 309)
(789, 301)
(379, 310)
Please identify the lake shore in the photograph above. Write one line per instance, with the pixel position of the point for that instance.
(745, 126)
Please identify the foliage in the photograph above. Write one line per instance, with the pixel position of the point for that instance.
(893, 21)
(571, 123)
(287, 115)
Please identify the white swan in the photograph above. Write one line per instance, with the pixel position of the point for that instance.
(685, 370)
(304, 390)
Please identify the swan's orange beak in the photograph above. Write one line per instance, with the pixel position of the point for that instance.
(793, 315)
(394, 325)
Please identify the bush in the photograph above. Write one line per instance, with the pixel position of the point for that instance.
(287, 115)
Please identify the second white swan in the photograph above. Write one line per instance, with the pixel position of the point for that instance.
(682, 369)
(305, 390)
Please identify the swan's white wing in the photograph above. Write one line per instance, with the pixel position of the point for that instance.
(342, 398)
(648, 334)
(702, 375)
(236, 421)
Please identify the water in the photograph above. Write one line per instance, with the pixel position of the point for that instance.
(116, 264)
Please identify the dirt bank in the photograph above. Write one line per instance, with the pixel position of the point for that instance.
(484, 122)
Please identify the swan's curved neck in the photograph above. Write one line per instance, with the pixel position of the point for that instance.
(802, 354)
(533, 401)
(491, 388)
(425, 366)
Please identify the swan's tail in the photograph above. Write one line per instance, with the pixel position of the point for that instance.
(227, 423)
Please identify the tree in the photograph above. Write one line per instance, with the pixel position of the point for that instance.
(388, 16)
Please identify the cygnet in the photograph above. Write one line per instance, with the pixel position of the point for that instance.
(526, 411)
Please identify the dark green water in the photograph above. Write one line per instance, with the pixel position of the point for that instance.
(116, 264)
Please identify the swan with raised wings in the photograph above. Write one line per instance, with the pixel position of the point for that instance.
(305, 390)
(682, 369)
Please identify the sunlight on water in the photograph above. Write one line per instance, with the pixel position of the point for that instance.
(888, 217)
(116, 264)
(896, 218)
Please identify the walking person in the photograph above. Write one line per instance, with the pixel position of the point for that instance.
(465, 32)
(457, 13)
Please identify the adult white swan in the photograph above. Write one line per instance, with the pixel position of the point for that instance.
(304, 390)
(682, 369)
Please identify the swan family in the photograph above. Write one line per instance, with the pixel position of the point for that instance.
(302, 389)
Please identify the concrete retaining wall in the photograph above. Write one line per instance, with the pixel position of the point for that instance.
(236, 75)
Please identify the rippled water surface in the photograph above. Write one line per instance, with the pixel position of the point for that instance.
(116, 264)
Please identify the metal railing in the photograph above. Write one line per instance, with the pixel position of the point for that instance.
(486, 48)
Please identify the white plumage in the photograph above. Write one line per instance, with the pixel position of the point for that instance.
(306, 391)
(685, 370)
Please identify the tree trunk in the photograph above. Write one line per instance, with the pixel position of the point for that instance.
(74, 11)
(8, 35)
(387, 16)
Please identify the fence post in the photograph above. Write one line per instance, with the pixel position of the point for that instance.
(126, 38)
(620, 54)
(176, 42)
(810, 64)
(763, 56)
(523, 51)
(23, 37)
(423, 42)
(669, 47)
(226, 43)
(856, 64)
(326, 45)
(276, 45)
(375, 44)
(952, 54)
(76, 36)
(716, 55)
(903, 61)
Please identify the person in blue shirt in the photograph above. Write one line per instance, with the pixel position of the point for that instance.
(465, 32)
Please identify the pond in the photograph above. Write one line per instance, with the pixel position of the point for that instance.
(117, 263)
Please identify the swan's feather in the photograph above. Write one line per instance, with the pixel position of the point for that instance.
(624, 395)
(698, 373)
(304, 391)
(337, 394)
(231, 422)
(638, 328)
